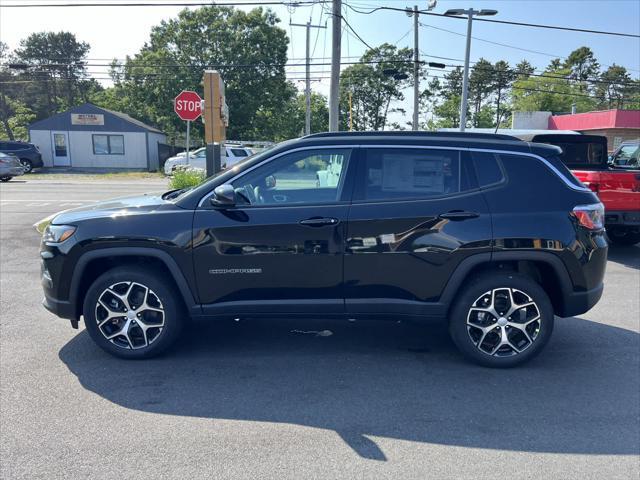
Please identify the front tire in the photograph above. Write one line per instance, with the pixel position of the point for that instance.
(131, 313)
(5, 179)
(501, 320)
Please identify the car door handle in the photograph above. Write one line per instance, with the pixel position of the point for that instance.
(458, 215)
(319, 221)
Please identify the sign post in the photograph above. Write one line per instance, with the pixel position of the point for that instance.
(188, 106)
(216, 119)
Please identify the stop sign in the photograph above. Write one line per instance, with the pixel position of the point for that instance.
(188, 105)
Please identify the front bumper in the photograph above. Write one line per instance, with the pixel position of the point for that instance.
(577, 303)
(61, 308)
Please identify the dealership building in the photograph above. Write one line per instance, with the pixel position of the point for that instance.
(88, 136)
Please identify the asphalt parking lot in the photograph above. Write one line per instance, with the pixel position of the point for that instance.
(252, 399)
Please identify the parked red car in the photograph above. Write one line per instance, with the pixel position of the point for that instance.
(618, 187)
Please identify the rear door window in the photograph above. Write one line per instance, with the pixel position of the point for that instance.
(397, 174)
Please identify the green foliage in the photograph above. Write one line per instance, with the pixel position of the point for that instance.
(186, 178)
(57, 60)
(372, 91)
(247, 48)
(618, 89)
(582, 65)
(552, 92)
(19, 121)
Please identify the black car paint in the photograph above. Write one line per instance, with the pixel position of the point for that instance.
(260, 260)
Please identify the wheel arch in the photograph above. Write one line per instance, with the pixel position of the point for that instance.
(93, 263)
(544, 267)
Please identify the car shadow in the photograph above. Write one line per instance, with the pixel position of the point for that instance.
(625, 255)
(395, 380)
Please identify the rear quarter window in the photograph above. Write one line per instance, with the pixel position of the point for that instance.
(532, 174)
(564, 170)
(488, 169)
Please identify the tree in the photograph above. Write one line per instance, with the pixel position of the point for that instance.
(247, 48)
(480, 87)
(524, 69)
(582, 65)
(56, 60)
(501, 82)
(372, 90)
(551, 92)
(615, 86)
(447, 105)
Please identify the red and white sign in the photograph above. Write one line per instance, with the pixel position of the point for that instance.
(188, 105)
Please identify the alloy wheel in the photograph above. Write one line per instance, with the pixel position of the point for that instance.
(130, 315)
(503, 322)
(26, 164)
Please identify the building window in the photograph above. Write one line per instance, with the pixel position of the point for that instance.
(108, 144)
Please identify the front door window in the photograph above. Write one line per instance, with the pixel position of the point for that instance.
(304, 177)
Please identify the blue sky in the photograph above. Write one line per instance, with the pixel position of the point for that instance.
(118, 31)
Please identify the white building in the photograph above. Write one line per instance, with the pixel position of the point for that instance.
(88, 137)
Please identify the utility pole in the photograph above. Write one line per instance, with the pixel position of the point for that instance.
(465, 78)
(307, 90)
(416, 69)
(470, 13)
(336, 41)
(431, 4)
(215, 120)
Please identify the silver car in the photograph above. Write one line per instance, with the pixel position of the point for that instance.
(10, 167)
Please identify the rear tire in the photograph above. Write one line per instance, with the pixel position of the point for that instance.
(5, 179)
(501, 320)
(624, 236)
(28, 166)
(130, 313)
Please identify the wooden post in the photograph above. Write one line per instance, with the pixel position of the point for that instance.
(214, 119)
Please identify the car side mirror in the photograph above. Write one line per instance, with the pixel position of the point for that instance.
(223, 196)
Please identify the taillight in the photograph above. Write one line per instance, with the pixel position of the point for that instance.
(590, 216)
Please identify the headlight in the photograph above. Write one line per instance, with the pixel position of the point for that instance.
(57, 233)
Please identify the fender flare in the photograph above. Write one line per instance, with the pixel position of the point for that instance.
(462, 271)
(156, 253)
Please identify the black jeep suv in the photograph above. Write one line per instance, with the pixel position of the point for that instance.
(493, 233)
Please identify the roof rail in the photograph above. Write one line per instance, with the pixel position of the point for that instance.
(486, 136)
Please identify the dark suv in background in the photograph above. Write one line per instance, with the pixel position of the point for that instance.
(28, 154)
(492, 233)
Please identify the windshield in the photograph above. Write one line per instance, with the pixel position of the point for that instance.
(628, 156)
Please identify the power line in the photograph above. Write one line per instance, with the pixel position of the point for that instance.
(503, 44)
(504, 22)
(299, 3)
(293, 3)
(355, 33)
(320, 78)
(129, 68)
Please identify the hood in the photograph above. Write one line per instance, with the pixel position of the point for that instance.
(142, 204)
